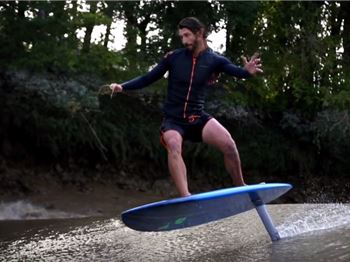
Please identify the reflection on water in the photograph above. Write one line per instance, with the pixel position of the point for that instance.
(238, 238)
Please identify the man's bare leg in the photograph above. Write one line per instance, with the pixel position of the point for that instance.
(176, 164)
(216, 135)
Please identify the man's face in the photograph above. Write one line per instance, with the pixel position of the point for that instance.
(188, 39)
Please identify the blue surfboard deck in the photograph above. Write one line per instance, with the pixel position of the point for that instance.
(201, 208)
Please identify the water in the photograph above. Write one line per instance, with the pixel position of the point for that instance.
(319, 232)
(23, 210)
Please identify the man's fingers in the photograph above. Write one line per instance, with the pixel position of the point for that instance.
(257, 61)
(253, 64)
(244, 59)
(113, 86)
(116, 87)
(255, 56)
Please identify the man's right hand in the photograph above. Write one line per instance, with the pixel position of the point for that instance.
(115, 88)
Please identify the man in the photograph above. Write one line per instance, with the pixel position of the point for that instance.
(190, 73)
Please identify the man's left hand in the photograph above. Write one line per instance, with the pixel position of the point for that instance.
(253, 65)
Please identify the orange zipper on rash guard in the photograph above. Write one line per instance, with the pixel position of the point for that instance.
(194, 61)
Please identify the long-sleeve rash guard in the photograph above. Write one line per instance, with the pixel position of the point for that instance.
(189, 77)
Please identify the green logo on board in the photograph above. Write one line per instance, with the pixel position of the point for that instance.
(178, 221)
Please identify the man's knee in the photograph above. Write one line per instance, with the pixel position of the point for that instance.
(229, 148)
(174, 145)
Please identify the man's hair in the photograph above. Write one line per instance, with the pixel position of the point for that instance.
(194, 25)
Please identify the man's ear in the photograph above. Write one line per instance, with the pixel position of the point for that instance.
(200, 33)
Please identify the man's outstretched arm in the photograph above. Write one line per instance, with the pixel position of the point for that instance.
(143, 81)
(251, 67)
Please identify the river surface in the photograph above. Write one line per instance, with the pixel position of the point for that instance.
(310, 232)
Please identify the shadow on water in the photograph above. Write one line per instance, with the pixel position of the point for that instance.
(310, 233)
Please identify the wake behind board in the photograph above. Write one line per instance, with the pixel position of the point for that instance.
(201, 208)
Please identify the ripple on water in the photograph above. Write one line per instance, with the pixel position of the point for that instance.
(318, 217)
(238, 238)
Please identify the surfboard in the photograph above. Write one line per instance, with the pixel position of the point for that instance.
(201, 208)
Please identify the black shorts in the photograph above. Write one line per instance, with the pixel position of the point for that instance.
(189, 128)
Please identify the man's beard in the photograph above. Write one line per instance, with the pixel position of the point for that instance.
(193, 46)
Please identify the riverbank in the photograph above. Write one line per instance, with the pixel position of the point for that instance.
(107, 191)
(68, 202)
(81, 193)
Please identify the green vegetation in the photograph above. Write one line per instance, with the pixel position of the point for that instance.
(292, 120)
